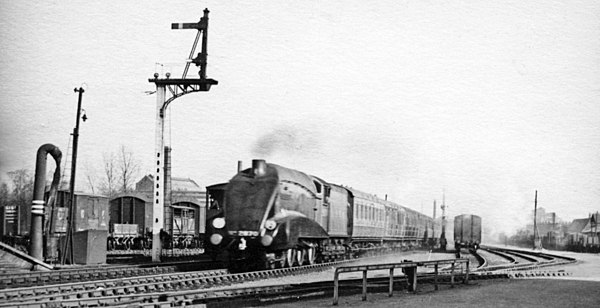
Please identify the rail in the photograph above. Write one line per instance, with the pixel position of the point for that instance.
(409, 268)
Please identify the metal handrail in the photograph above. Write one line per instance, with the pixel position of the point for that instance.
(408, 267)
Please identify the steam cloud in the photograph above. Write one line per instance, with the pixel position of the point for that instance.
(285, 140)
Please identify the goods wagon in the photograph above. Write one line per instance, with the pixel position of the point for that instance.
(467, 231)
(131, 223)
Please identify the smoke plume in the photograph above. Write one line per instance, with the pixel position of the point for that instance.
(285, 140)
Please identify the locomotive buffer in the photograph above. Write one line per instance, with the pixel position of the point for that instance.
(177, 87)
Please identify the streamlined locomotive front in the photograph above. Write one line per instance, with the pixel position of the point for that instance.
(268, 217)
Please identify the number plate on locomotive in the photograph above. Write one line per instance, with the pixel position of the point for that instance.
(244, 233)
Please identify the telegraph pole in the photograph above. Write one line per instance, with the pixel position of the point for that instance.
(177, 87)
(443, 240)
(68, 247)
(535, 222)
(433, 226)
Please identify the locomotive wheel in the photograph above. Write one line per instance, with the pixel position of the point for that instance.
(300, 256)
(311, 255)
(290, 256)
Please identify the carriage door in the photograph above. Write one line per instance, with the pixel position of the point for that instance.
(320, 207)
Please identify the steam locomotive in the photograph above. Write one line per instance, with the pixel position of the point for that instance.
(270, 216)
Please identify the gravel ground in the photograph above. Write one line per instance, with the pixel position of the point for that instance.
(580, 289)
(497, 293)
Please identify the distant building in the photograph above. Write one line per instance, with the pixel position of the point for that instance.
(182, 189)
(544, 217)
(590, 231)
(583, 234)
(574, 231)
(185, 193)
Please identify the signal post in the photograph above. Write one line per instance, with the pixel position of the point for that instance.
(177, 87)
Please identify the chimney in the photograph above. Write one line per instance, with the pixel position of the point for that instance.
(259, 167)
(239, 166)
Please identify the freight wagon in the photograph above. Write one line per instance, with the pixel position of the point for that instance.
(467, 231)
(131, 217)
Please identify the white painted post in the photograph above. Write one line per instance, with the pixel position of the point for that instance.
(158, 190)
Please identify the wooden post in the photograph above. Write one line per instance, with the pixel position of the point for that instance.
(364, 286)
(414, 278)
(435, 277)
(391, 291)
(467, 273)
(452, 276)
(336, 285)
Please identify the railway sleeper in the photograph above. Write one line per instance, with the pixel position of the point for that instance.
(161, 287)
(10, 295)
(119, 291)
(70, 296)
(197, 283)
(71, 304)
(20, 281)
(64, 289)
(96, 293)
(186, 284)
(53, 290)
(183, 284)
(107, 302)
(32, 279)
(151, 288)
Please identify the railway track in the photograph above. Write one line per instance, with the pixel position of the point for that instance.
(121, 291)
(203, 287)
(518, 260)
(89, 273)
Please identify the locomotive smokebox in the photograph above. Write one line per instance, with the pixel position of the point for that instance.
(259, 167)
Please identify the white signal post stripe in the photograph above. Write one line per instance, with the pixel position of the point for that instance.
(187, 25)
(37, 207)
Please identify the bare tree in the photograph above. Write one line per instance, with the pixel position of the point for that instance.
(129, 168)
(22, 195)
(22, 185)
(90, 176)
(120, 172)
(4, 194)
(109, 181)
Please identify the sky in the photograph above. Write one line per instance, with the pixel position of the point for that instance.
(480, 102)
